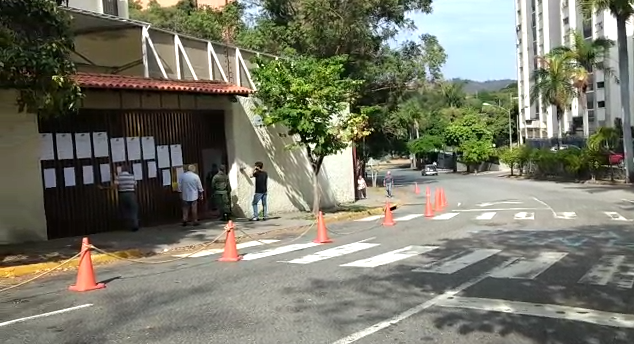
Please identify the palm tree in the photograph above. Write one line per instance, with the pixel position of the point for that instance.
(553, 84)
(622, 10)
(589, 55)
(453, 93)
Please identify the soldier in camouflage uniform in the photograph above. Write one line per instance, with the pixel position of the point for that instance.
(222, 192)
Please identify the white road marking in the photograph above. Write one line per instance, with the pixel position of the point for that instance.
(487, 204)
(220, 250)
(498, 209)
(408, 217)
(541, 310)
(603, 272)
(529, 268)
(524, 216)
(486, 216)
(412, 311)
(624, 277)
(567, 215)
(333, 252)
(615, 216)
(44, 315)
(391, 257)
(446, 216)
(370, 218)
(278, 250)
(457, 262)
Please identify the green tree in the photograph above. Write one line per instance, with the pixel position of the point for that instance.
(510, 157)
(590, 55)
(622, 10)
(553, 84)
(309, 97)
(35, 42)
(471, 138)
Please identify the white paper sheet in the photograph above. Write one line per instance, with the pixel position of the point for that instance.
(47, 149)
(100, 142)
(118, 170)
(69, 176)
(167, 177)
(105, 173)
(149, 147)
(134, 148)
(163, 156)
(151, 169)
(64, 146)
(176, 154)
(179, 171)
(50, 178)
(117, 147)
(83, 148)
(138, 171)
(88, 175)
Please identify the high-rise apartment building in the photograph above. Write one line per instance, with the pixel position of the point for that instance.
(542, 25)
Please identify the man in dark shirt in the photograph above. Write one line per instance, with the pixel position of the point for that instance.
(261, 179)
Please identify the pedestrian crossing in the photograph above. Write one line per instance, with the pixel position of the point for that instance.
(608, 270)
(491, 215)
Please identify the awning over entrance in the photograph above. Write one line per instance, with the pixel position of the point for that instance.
(124, 82)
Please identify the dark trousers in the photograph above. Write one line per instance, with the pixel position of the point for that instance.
(129, 209)
(362, 193)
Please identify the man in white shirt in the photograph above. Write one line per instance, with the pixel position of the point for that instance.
(191, 190)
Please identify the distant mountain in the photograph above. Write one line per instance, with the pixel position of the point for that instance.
(472, 86)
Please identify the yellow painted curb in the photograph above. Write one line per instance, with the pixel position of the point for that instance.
(359, 214)
(97, 259)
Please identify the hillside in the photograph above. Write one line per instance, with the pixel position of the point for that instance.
(472, 86)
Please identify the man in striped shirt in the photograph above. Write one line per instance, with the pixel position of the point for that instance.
(126, 187)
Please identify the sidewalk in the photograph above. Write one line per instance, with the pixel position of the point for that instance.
(23, 259)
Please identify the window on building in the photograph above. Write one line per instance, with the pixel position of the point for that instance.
(566, 21)
(601, 104)
(600, 84)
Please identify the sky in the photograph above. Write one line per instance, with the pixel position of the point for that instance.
(478, 37)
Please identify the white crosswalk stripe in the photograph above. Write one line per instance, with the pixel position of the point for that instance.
(611, 270)
(391, 257)
(529, 268)
(457, 262)
(240, 246)
(490, 215)
(333, 252)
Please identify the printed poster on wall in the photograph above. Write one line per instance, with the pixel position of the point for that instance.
(149, 147)
(138, 171)
(134, 148)
(88, 174)
(64, 146)
(69, 176)
(151, 169)
(167, 177)
(163, 156)
(117, 146)
(176, 154)
(100, 142)
(83, 147)
(50, 178)
(105, 172)
(47, 149)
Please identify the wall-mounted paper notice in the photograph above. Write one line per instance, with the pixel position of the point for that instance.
(83, 148)
(105, 173)
(163, 156)
(149, 147)
(88, 174)
(100, 142)
(117, 147)
(50, 178)
(134, 148)
(138, 171)
(47, 149)
(179, 171)
(69, 176)
(167, 177)
(64, 146)
(176, 153)
(151, 169)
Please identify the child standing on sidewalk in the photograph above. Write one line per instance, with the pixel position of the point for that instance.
(361, 186)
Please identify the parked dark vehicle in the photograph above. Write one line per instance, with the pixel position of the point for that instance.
(429, 170)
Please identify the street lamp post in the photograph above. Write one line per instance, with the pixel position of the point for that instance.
(509, 116)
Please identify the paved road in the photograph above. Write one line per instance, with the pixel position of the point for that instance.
(515, 262)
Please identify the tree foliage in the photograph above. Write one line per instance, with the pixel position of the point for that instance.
(35, 42)
(471, 138)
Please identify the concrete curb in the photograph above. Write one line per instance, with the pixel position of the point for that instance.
(102, 259)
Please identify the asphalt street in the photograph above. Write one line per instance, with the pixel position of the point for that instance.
(508, 261)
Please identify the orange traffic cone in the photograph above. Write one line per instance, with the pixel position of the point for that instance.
(230, 253)
(416, 189)
(388, 219)
(86, 280)
(443, 199)
(322, 231)
(438, 201)
(429, 211)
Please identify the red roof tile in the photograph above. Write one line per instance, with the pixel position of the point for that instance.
(124, 82)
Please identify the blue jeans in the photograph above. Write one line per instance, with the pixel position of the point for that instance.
(388, 189)
(256, 199)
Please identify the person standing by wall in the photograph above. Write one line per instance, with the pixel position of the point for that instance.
(362, 187)
(191, 190)
(388, 182)
(261, 180)
(221, 189)
(125, 183)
